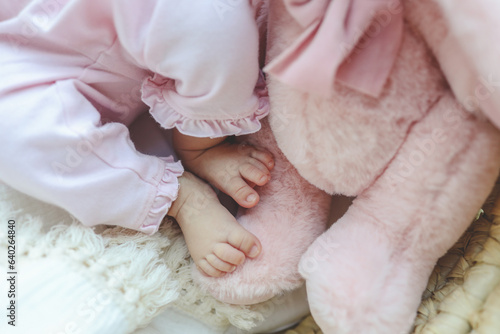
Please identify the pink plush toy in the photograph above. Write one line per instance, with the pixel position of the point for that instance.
(384, 101)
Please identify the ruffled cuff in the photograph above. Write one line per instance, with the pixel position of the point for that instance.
(166, 193)
(154, 95)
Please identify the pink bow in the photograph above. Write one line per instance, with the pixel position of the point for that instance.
(353, 41)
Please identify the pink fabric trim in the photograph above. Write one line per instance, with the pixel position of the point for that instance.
(166, 194)
(170, 116)
(353, 41)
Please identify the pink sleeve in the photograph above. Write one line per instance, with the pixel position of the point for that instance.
(205, 56)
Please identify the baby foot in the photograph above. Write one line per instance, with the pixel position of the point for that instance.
(216, 242)
(234, 169)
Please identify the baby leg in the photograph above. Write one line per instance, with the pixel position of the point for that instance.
(59, 152)
(366, 274)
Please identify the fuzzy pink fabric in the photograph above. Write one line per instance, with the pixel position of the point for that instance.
(418, 161)
(419, 158)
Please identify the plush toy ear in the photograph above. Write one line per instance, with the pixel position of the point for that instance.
(468, 40)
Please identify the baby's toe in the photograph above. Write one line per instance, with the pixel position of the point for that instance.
(245, 241)
(219, 264)
(255, 172)
(206, 268)
(229, 254)
(264, 157)
(241, 192)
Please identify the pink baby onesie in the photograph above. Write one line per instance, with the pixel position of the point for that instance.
(75, 73)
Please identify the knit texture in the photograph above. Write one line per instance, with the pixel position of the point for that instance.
(141, 274)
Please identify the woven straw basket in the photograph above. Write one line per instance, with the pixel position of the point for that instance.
(463, 293)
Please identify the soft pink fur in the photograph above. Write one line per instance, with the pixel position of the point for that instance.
(419, 163)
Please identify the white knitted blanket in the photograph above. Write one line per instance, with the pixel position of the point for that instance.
(145, 274)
